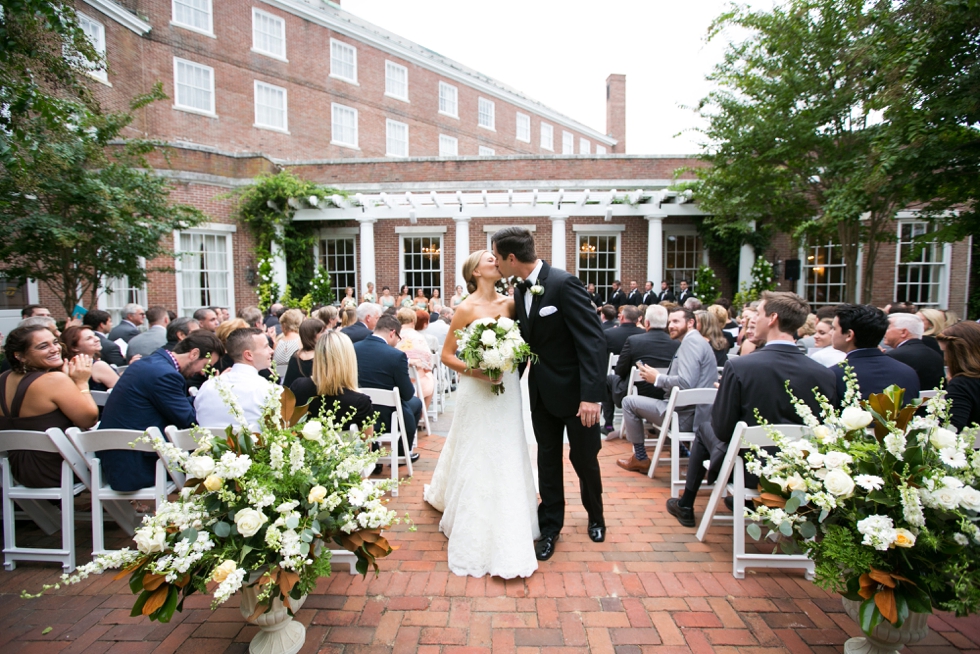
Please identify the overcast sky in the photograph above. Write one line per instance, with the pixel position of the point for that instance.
(560, 53)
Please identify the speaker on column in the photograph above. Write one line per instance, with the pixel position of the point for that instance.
(792, 269)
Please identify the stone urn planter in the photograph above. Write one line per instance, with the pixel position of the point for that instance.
(278, 633)
(885, 639)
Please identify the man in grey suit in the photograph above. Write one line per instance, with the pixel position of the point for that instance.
(152, 339)
(693, 366)
(128, 327)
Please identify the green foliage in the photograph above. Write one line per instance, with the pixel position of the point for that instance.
(763, 277)
(707, 288)
(268, 291)
(304, 303)
(321, 290)
(724, 240)
(745, 296)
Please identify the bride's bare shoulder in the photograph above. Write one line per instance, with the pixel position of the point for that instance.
(509, 309)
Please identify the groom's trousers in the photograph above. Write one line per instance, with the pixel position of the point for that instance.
(584, 445)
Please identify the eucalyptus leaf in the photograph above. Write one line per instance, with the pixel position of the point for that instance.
(292, 522)
(306, 536)
(304, 548)
(190, 534)
(754, 531)
(807, 529)
(792, 504)
(221, 529)
(786, 529)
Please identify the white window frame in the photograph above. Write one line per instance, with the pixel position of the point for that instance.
(392, 67)
(940, 266)
(604, 289)
(549, 142)
(445, 140)
(333, 73)
(810, 264)
(670, 236)
(191, 109)
(567, 142)
(207, 32)
(584, 146)
(121, 289)
(600, 149)
(402, 271)
(320, 256)
(486, 110)
(523, 126)
(395, 125)
(97, 37)
(333, 121)
(285, 107)
(445, 90)
(484, 151)
(208, 229)
(256, 12)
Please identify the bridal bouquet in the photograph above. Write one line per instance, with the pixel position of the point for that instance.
(883, 499)
(495, 346)
(267, 505)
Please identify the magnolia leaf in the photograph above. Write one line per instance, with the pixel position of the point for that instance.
(885, 601)
(287, 579)
(288, 402)
(754, 531)
(152, 581)
(771, 500)
(868, 586)
(156, 600)
(917, 599)
(869, 616)
(260, 608)
(903, 610)
(905, 415)
(299, 413)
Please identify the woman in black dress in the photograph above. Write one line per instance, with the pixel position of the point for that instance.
(301, 363)
(82, 340)
(333, 384)
(961, 349)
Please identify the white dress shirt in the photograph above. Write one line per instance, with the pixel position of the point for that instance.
(533, 278)
(251, 391)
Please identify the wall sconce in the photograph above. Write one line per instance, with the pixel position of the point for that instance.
(251, 275)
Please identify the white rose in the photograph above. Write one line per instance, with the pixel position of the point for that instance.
(823, 434)
(839, 483)
(505, 323)
(222, 571)
(313, 430)
(836, 459)
(796, 483)
(904, 538)
(942, 438)
(947, 498)
(488, 338)
(213, 482)
(151, 539)
(317, 494)
(249, 521)
(970, 498)
(199, 467)
(816, 460)
(951, 482)
(853, 418)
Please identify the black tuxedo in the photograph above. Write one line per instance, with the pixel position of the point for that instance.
(634, 298)
(616, 338)
(875, 372)
(665, 296)
(683, 295)
(596, 299)
(655, 348)
(381, 366)
(356, 332)
(570, 369)
(649, 298)
(617, 298)
(111, 353)
(926, 362)
(609, 324)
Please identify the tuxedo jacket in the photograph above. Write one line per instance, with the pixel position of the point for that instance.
(111, 353)
(683, 295)
(609, 324)
(875, 372)
(650, 298)
(124, 330)
(926, 362)
(665, 296)
(758, 380)
(617, 298)
(596, 299)
(655, 348)
(616, 338)
(381, 366)
(572, 359)
(634, 298)
(357, 332)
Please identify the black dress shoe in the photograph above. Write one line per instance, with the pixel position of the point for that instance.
(684, 515)
(544, 548)
(414, 457)
(597, 532)
(377, 469)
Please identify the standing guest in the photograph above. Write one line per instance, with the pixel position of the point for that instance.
(824, 351)
(153, 393)
(329, 316)
(665, 294)
(128, 327)
(207, 319)
(684, 294)
(420, 302)
(858, 329)
(250, 353)
(348, 317)
(82, 340)
(904, 336)
(387, 299)
(347, 301)
(153, 338)
(435, 304)
(101, 323)
(369, 296)
(41, 391)
(712, 333)
(253, 317)
(417, 349)
(333, 384)
(634, 297)
(934, 322)
(288, 341)
(649, 296)
(301, 363)
(616, 337)
(364, 320)
(404, 298)
(608, 317)
(594, 297)
(617, 298)
(178, 331)
(457, 298)
(961, 349)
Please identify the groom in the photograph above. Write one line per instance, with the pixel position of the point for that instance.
(566, 384)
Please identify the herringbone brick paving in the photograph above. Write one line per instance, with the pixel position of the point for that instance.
(650, 588)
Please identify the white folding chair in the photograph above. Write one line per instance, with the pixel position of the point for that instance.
(925, 395)
(53, 441)
(683, 398)
(734, 467)
(413, 373)
(392, 398)
(90, 442)
(121, 369)
(101, 397)
(613, 360)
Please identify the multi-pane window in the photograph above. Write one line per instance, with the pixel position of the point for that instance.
(921, 266)
(339, 257)
(567, 143)
(485, 113)
(397, 139)
(448, 100)
(683, 255)
(823, 274)
(448, 146)
(13, 295)
(193, 14)
(117, 292)
(547, 137)
(422, 263)
(343, 61)
(205, 271)
(270, 106)
(486, 152)
(193, 86)
(598, 260)
(396, 81)
(95, 31)
(523, 128)
(344, 126)
(600, 149)
(268, 34)
(584, 147)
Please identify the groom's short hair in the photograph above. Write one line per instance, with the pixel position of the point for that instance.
(517, 241)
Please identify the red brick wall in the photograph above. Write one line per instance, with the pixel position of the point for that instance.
(616, 111)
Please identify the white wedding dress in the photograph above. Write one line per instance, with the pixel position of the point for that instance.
(484, 484)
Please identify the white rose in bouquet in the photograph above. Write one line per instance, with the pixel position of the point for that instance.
(815, 460)
(199, 467)
(904, 538)
(151, 539)
(836, 459)
(505, 323)
(839, 483)
(313, 430)
(942, 438)
(488, 338)
(317, 494)
(796, 483)
(249, 521)
(853, 418)
(970, 498)
(946, 497)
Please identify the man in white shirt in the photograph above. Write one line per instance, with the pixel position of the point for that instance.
(249, 349)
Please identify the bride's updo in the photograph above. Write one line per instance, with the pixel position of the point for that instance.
(472, 263)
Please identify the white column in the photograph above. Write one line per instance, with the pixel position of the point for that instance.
(558, 241)
(462, 248)
(367, 254)
(278, 260)
(655, 249)
(746, 259)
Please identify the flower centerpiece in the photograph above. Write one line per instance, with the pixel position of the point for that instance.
(883, 498)
(493, 345)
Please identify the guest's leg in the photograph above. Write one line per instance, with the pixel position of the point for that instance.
(608, 407)
(695, 473)
(412, 410)
(636, 408)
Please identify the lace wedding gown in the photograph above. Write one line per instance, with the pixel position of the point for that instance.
(484, 485)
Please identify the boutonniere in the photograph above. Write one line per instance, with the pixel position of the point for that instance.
(537, 289)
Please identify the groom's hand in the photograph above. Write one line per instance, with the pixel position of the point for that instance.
(588, 412)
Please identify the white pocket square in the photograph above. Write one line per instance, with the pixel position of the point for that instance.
(547, 311)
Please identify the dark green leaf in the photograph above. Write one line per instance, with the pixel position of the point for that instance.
(870, 616)
(140, 601)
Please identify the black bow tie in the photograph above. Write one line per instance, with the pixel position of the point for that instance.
(524, 285)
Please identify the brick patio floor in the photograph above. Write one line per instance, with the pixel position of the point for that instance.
(650, 588)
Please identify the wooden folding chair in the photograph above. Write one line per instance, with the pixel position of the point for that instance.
(397, 431)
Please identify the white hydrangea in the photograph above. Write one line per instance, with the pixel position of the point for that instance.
(878, 530)
(232, 466)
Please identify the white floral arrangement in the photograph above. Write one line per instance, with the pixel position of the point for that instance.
(883, 498)
(493, 345)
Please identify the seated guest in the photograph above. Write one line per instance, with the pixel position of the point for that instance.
(616, 337)
(223, 331)
(824, 351)
(711, 331)
(153, 338)
(654, 347)
(904, 336)
(101, 323)
(178, 331)
(329, 316)
(248, 348)
(745, 344)
(417, 349)
(692, 304)
(729, 328)
(381, 365)
(934, 322)
(693, 366)
(41, 391)
(289, 340)
(366, 317)
(333, 384)
(128, 327)
(207, 318)
(348, 317)
(82, 340)
(153, 393)
(806, 338)
(301, 363)
(438, 329)
(758, 382)
(961, 345)
(607, 316)
(858, 329)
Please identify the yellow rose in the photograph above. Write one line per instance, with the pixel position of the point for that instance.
(222, 571)
(213, 482)
(904, 538)
(317, 493)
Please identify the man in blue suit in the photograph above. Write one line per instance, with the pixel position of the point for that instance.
(381, 365)
(858, 329)
(367, 317)
(153, 393)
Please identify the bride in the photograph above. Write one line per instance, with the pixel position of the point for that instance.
(483, 483)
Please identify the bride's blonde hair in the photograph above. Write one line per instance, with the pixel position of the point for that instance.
(471, 264)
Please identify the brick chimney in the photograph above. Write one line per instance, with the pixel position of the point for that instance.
(616, 111)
